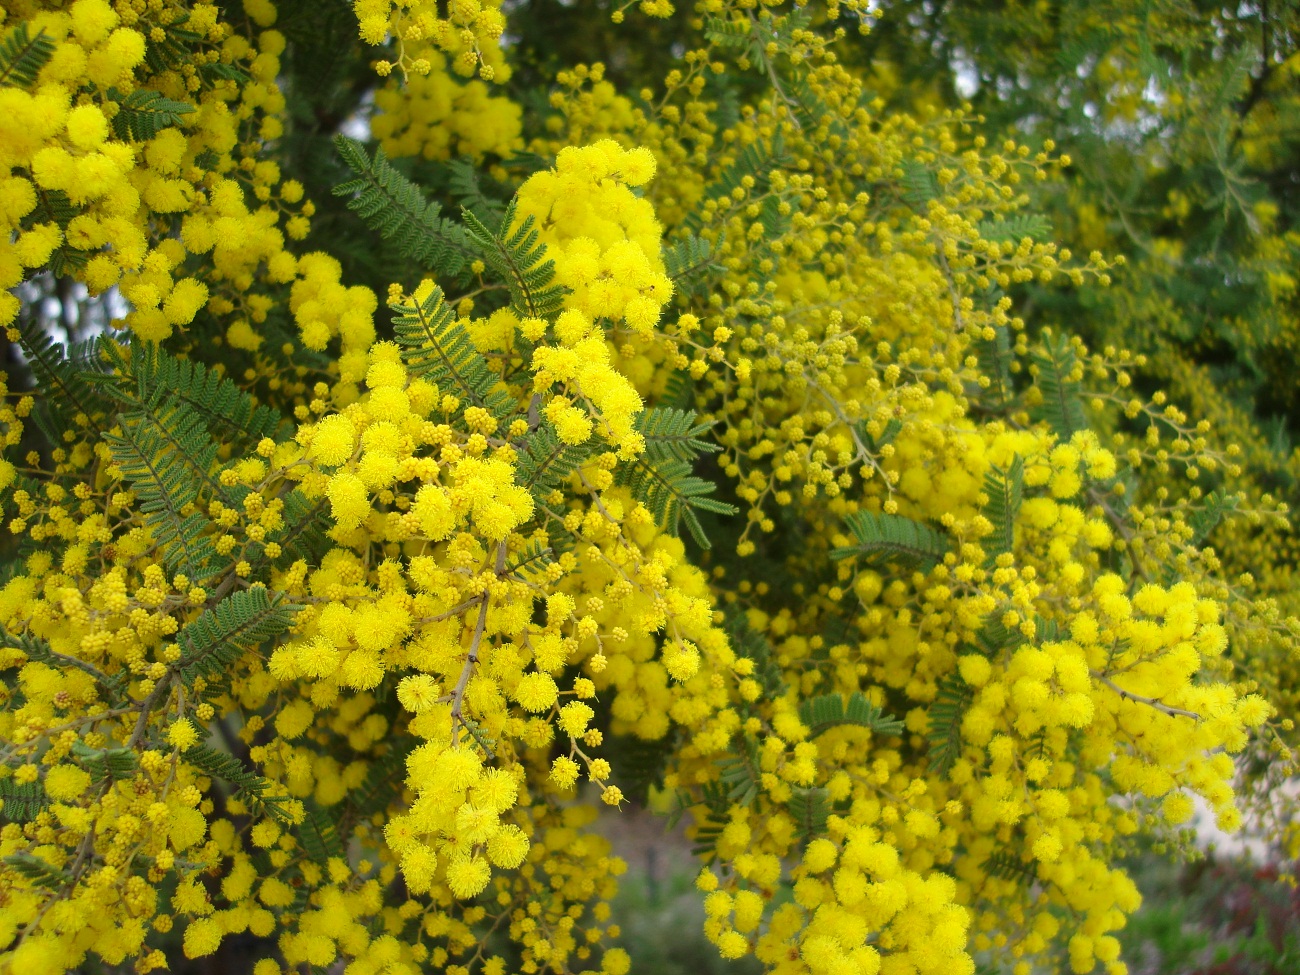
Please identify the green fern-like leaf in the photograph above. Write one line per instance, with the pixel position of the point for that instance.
(22, 56)
(143, 373)
(1005, 489)
(463, 184)
(52, 206)
(515, 252)
(639, 764)
(811, 109)
(741, 773)
(383, 784)
(1062, 406)
(748, 642)
(919, 185)
(394, 206)
(887, 436)
(532, 561)
(306, 523)
(673, 434)
(704, 842)
(994, 638)
(144, 113)
(946, 712)
(23, 801)
(884, 539)
(732, 34)
(319, 835)
(679, 390)
(820, 714)
(1010, 866)
(690, 263)
(216, 71)
(166, 455)
(661, 477)
(74, 403)
(546, 461)
(995, 356)
(37, 871)
(251, 789)
(237, 624)
(437, 347)
(116, 763)
(1216, 506)
(810, 808)
(672, 494)
(1016, 228)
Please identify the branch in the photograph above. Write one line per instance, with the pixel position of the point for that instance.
(471, 661)
(1161, 706)
(454, 611)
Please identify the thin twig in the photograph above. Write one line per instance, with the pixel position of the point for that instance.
(454, 611)
(471, 661)
(1161, 706)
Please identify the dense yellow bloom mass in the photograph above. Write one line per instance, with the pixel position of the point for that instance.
(332, 627)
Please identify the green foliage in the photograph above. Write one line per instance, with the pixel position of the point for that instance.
(436, 347)
(319, 835)
(38, 871)
(758, 40)
(1062, 404)
(1005, 490)
(661, 477)
(307, 521)
(116, 764)
(463, 184)
(673, 434)
(810, 808)
(919, 185)
(517, 256)
(714, 798)
(54, 206)
(144, 113)
(54, 366)
(884, 539)
(384, 781)
(165, 454)
(873, 444)
(1011, 866)
(223, 634)
(22, 55)
(250, 788)
(23, 801)
(679, 390)
(530, 562)
(395, 207)
(1015, 228)
(144, 374)
(828, 711)
(639, 765)
(993, 638)
(740, 772)
(945, 715)
(748, 642)
(690, 263)
(995, 358)
(546, 462)
(1216, 506)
